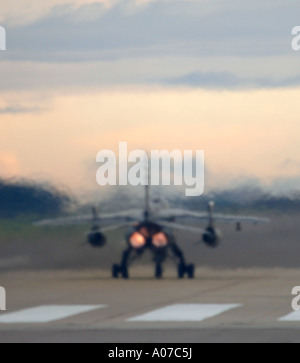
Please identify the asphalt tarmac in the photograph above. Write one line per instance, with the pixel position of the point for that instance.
(238, 294)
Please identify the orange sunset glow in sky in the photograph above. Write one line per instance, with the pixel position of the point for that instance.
(81, 76)
(250, 133)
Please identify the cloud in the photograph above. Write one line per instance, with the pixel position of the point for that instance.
(15, 110)
(198, 43)
(194, 28)
(229, 80)
(213, 79)
(24, 12)
(147, 72)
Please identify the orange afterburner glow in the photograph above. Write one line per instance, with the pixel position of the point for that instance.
(137, 240)
(160, 240)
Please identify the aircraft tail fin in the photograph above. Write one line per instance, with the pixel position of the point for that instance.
(211, 209)
(147, 194)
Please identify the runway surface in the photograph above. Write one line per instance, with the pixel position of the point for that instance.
(254, 301)
(225, 303)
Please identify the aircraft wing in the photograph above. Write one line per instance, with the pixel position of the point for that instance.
(103, 219)
(237, 219)
(192, 217)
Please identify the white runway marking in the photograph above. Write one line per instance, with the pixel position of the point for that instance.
(294, 316)
(185, 313)
(46, 314)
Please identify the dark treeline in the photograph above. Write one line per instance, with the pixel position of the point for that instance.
(243, 199)
(19, 198)
(246, 199)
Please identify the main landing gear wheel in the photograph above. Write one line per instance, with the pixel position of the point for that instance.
(188, 270)
(191, 271)
(119, 270)
(181, 271)
(158, 271)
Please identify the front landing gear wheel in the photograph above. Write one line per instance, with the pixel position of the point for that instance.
(158, 271)
(115, 271)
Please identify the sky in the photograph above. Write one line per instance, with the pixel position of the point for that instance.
(79, 76)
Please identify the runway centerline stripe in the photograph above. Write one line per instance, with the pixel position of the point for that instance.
(47, 313)
(185, 313)
(294, 316)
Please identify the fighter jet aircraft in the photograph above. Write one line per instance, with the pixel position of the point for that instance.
(152, 229)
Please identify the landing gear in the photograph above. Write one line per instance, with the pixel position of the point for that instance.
(191, 272)
(120, 270)
(125, 274)
(183, 268)
(188, 270)
(160, 255)
(158, 271)
(115, 271)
